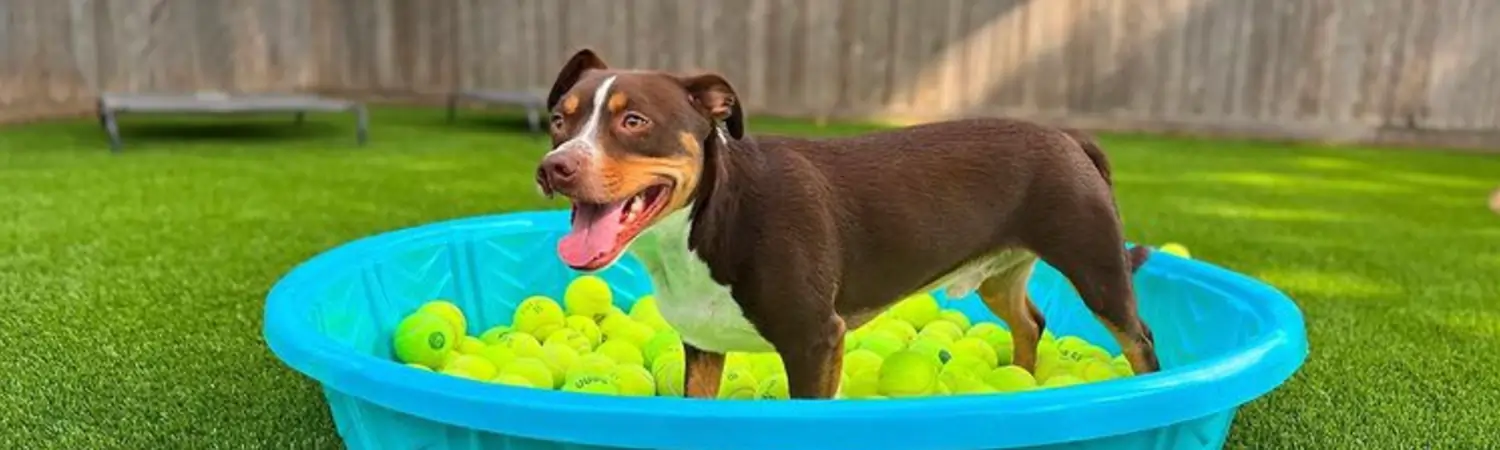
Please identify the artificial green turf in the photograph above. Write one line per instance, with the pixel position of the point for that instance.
(131, 285)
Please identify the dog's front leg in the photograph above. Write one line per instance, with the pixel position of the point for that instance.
(801, 323)
(815, 361)
(701, 372)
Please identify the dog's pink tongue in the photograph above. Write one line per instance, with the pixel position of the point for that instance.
(596, 230)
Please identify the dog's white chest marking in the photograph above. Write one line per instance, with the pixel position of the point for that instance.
(700, 309)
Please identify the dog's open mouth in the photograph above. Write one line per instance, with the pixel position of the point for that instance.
(601, 231)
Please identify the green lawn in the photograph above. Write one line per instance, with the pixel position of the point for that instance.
(131, 285)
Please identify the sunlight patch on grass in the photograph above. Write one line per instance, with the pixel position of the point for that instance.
(1329, 163)
(1327, 284)
(1279, 181)
(1477, 323)
(1436, 180)
(1241, 211)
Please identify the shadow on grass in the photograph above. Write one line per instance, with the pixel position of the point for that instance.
(238, 131)
(145, 133)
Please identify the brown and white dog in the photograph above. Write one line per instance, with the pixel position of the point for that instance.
(778, 243)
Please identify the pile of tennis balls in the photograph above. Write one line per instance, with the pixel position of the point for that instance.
(587, 344)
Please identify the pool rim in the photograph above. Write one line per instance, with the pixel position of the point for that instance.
(1214, 385)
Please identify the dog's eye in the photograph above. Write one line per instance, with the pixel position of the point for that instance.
(557, 122)
(634, 122)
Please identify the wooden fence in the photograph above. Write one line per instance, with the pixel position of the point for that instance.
(1372, 70)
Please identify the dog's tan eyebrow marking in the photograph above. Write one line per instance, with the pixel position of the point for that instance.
(570, 104)
(617, 102)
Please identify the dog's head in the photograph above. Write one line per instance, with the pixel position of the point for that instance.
(628, 148)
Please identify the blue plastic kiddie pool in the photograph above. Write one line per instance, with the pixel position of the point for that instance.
(1223, 339)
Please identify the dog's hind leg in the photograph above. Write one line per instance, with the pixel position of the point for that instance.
(1004, 292)
(701, 372)
(1096, 262)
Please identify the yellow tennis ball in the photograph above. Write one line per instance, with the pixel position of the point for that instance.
(594, 362)
(591, 384)
(511, 379)
(449, 312)
(997, 337)
(977, 348)
(662, 343)
(1122, 366)
(470, 345)
(859, 385)
(493, 335)
(522, 344)
(766, 365)
(646, 312)
(1175, 249)
(532, 369)
(773, 388)
(737, 384)
(586, 327)
(636, 333)
(469, 366)
(968, 364)
(882, 343)
(633, 380)
(668, 370)
(955, 316)
(932, 347)
(423, 338)
(918, 309)
(1046, 369)
(498, 355)
(1095, 370)
(943, 329)
(957, 381)
(737, 361)
(1061, 381)
(418, 366)
(899, 328)
(851, 341)
(588, 296)
(1010, 379)
(538, 316)
(908, 374)
(614, 320)
(1046, 349)
(559, 357)
(1072, 347)
(570, 338)
(621, 352)
(862, 361)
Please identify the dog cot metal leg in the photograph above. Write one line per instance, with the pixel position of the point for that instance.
(534, 118)
(452, 107)
(362, 125)
(107, 118)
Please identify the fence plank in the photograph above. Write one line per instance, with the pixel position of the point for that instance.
(1340, 66)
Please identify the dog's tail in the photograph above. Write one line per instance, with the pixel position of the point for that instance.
(1091, 148)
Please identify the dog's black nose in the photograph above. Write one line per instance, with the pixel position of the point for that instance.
(560, 170)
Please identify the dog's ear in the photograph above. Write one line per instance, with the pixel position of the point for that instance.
(713, 94)
(581, 62)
